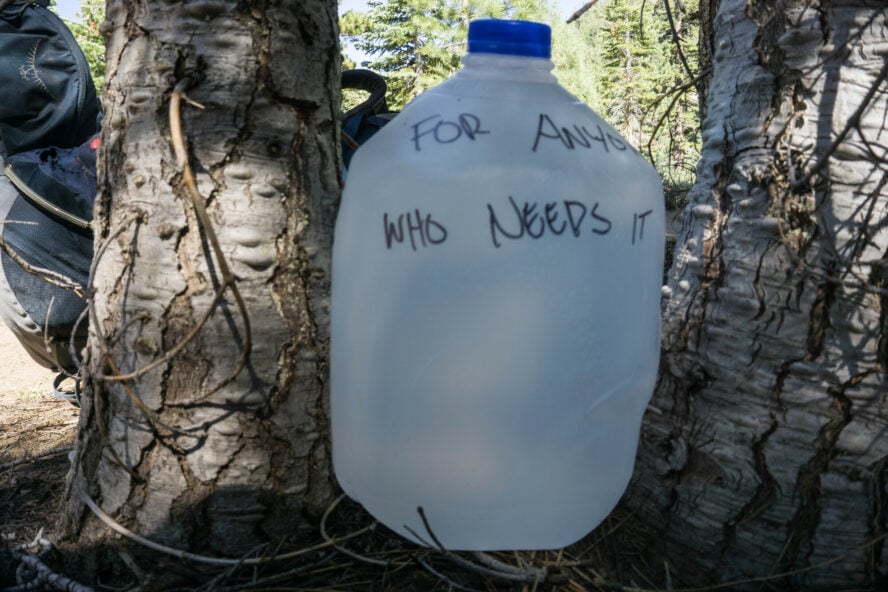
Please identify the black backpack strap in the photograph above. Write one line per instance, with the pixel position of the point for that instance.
(59, 181)
(16, 6)
(370, 82)
(362, 121)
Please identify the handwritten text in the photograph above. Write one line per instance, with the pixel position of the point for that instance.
(443, 131)
(413, 226)
(535, 219)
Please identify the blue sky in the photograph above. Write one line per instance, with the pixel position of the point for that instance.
(68, 8)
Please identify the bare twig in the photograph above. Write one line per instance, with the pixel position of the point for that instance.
(46, 576)
(581, 11)
(678, 92)
(212, 584)
(228, 280)
(529, 575)
(103, 434)
(180, 554)
(48, 342)
(101, 339)
(677, 40)
(72, 344)
(133, 566)
(278, 577)
(32, 458)
(136, 216)
(47, 275)
(170, 354)
(451, 585)
(347, 552)
(349, 141)
(152, 417)
(494, 563)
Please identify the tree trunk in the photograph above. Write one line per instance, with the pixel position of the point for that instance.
(184, 453)
(764, 450)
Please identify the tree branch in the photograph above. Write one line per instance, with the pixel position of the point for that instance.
(678, 91)
(47, 275)
(853, 122)
(180, 554)
(530, 575)
(676, 39)
(228, 280)
(581, 11)
(32, 458)
(46, 576)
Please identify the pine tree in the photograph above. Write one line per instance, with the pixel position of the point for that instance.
(620, 57)
(86, 32)
(644, 85)
(671, 121)
(404, 38)
(418, 43)
(578, 63)
(628, 58)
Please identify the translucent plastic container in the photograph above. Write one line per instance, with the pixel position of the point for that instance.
(497, 268)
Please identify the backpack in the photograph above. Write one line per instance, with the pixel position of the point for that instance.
(360, 123)
(49, 97)
(47, 192)
(49, 121)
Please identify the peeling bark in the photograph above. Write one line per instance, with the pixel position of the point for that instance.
(205, 463)
(773, 374)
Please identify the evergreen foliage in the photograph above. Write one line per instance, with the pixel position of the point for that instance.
(577, 61)
(620, 58)
(418, 43)
(640, 70)
(86, 32)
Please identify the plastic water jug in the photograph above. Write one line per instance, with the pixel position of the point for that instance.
(497, 269)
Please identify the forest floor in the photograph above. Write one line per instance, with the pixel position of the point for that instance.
(36, 431)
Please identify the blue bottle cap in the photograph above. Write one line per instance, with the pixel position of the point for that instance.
(522, 38)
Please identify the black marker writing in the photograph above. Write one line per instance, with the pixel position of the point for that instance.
(443, 131)
(607, 224)
(575, 219)
(638, 225)
(552, 217)
(496, 227)
(420, 230)
(535, 219)
(575, 135)
(528, 213)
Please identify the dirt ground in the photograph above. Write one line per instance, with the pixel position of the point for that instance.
(32, 422)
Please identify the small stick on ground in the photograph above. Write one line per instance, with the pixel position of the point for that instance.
(21, 461)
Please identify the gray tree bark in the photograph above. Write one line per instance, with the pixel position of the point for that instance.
(183, 453)
(764, 450)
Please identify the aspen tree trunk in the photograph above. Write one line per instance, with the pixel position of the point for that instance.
(182, 454)
(765, 449)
